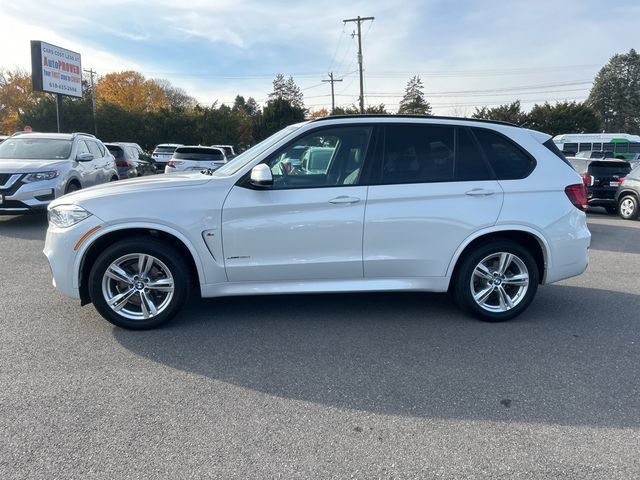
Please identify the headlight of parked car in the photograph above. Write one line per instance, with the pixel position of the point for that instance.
(64, 216)
(39, 176)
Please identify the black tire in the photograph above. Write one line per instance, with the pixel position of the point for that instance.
(628, 207)
(462, 288)
(171, 259)
(72, 187)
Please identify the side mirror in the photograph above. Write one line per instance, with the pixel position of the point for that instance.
(261, 176)
(85, 157)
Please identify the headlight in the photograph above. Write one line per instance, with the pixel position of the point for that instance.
(64, 216)
(39, 176)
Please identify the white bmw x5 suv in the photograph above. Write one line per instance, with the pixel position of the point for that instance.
(485, 210)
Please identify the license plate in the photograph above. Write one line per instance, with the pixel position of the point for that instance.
(614, 184)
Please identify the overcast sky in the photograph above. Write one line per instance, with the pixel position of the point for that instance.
(468, 53)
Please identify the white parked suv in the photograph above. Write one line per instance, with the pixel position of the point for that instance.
(483, 209)
(195, 157)
(36, 168)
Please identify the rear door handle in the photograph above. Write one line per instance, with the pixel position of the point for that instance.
(480, 192)
(344, 200)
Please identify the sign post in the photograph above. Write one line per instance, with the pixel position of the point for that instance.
(55, 70)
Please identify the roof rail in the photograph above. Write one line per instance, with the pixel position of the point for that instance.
(435, 117)
(75, 134)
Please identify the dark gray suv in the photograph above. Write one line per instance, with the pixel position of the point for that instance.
(628, 195)
(36, 168)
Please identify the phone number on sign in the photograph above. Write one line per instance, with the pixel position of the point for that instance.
(58, 86)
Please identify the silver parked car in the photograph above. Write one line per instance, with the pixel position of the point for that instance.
(36, 168)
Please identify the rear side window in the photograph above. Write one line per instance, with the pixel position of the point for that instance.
(509, 162)
(117, 152)
(556, 151)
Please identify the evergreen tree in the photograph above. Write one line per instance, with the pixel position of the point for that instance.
(510, 112)
(615, 95)
(413, 101)
(563, 117)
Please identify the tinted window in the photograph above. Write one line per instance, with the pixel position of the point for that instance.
(330, 157)
(604, 169)
(634, 147)
(116, 151)
(556, 151)
(198, 154)
(165, 149)
(469, 162)
(93, 148)
(418, 154)
(507, 160)
(35, 148)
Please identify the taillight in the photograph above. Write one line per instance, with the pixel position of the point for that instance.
(577, 194)
(621, 180)
(123, 163)
(587, 179)
(170, 164)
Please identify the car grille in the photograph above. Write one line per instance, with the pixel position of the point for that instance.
(4, 177)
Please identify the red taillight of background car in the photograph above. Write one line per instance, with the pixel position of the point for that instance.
(577, 194)
(170, 164)
(123, 163)
(587, 179)
(621, 180)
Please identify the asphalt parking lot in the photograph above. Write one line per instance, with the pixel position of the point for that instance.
(339, 386)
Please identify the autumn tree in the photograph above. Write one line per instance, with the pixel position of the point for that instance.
(615, 95)
(131, 91)
(16, 95)
(323, 112)
(413, 101)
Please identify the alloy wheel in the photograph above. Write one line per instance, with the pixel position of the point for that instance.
(627, 207)
(138, 286)
(499, 282)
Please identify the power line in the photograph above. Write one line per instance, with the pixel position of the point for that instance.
(333, 98)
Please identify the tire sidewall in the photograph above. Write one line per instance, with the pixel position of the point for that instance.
(462, 289)
(169, 256)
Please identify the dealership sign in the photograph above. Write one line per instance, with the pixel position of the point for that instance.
(55, 69)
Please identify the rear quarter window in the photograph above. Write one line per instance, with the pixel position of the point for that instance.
(508, 160)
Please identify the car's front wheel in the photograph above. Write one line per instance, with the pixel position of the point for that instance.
(139, 283)
(496, 281)
(628, 207)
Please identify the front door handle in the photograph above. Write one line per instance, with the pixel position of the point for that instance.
(344, 200)
(480, 192)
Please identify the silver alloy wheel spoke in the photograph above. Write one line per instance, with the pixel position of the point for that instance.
(118, 274)
(148, 302)
(121, 300)
(145, 262)
(505, 262)
(505, 299)
(520, 279)
(483, 272)
(483, 295)
(162, 285)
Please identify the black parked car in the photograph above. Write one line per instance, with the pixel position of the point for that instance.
(602, 178)
(628, 195)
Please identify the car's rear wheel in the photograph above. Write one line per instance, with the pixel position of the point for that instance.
(628, 207)
(139, 283)
(496, 281)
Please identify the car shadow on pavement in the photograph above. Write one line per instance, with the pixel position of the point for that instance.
(28, 227)
(571, 359)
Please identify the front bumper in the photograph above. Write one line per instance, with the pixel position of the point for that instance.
(28, 197)
(64, 260)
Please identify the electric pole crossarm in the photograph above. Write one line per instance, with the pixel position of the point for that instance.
(358, 21)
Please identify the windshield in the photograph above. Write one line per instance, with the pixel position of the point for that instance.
(247, 156)
(35, 149)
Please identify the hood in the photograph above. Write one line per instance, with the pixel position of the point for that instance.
(8, 165)
(135, 186)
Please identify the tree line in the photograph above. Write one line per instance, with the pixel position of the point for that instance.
(133, 108)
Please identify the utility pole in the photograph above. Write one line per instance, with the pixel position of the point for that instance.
(358, 20)
(93, 101)
(333, 98)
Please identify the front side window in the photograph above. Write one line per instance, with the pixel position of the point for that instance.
(507, 160)
(82, 148)
(93, 148)
(322, 158)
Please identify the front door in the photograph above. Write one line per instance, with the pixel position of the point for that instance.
(309, 224)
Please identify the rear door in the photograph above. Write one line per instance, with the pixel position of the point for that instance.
(431, 189)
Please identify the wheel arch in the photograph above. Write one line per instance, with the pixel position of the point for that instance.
(626, 192)
(525, 236)
(92, 250)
